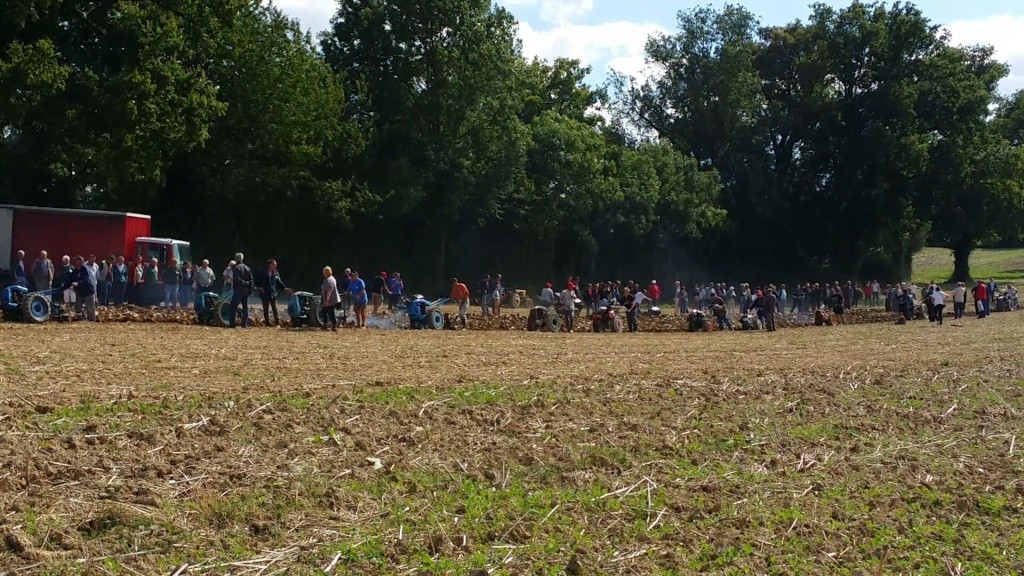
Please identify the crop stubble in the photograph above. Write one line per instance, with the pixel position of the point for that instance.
(848, 450)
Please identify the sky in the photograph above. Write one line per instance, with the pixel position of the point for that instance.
(610, 34)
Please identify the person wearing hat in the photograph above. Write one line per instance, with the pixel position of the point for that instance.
(547, 296)
(460, 294)
(654, 292)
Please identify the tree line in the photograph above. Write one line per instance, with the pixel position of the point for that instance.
(416, 136)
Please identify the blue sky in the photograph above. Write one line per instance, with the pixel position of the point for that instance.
(610, 34)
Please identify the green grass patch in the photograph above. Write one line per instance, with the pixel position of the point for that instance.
(1005, 265)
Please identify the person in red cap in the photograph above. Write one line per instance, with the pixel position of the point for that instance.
(654, 292)
(378, 290)
(547, 296)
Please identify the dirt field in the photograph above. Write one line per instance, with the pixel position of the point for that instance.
(165, 449)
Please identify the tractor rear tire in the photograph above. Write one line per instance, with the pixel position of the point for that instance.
(222, 314)
(532, 320)
(316, 315)
(435, 319)
(515, 301)
(553, 323)
(617, 324)
(35, 309)
(528, 303)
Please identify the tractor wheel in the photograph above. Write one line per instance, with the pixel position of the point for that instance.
(617, 324)
(515, 301)
(35, 308)
(528, 303)
(532, 320)
(553, 323)
(316, 315)
(436, 319)
(222, 314)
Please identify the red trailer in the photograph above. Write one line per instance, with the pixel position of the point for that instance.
(62, 231)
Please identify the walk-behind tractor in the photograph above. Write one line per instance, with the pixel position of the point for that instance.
(19, 305)
(424, 314)
(304, 310)
(697, 321)
(605, 319)
(543, 319)
(214, 309)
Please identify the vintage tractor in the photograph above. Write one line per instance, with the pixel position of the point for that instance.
(516, 298)
(304, 310)
(19, 305)
(605, 319)
(697, 321)
(543, 319)
(214, 309)
(424, 314)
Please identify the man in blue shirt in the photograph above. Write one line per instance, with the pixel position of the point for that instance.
(395, 287)
(83, 282)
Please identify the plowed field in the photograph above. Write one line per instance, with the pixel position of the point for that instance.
(172, 449)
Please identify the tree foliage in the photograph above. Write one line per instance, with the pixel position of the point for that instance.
(416, 136)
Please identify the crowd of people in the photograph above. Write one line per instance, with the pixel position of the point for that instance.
(88, 282)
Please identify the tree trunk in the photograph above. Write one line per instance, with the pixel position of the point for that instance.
(961, 263)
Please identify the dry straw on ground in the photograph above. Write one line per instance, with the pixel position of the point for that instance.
(141, 448)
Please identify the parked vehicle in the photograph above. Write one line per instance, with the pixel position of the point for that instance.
(62, 231)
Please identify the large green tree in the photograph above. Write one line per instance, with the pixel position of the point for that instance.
(96, 98)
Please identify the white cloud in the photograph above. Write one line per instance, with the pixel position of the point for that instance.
(314, 15)
(606, 46)
(1002, 32)
(555, 11)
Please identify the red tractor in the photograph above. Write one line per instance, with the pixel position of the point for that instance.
(606, 319)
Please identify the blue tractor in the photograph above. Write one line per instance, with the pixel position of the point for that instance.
(304, 310)
(214, 309)
(424, 314)
(19, 305)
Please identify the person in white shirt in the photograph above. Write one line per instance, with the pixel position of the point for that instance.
(938, 303)
(547, 296)
(876, 293)
(229, 276)
(568, 298)
(959, 301)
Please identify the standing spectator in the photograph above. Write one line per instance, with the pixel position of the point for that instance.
(485, 295)
(547, 296)
(357, 290)
(18, 267)
(395, 289)
(981, 299)
(105, 288)
(847, 295)
(268, 282)
(868, 293)
(42, 272)
(188, 280)
(229, 276)
(798, 300)
(119, 274)
(83, 282)
(496, 292)
(204, 277)
(329, 298)
(378, 289)
(171, 278)
(242, 281)
(959, 301)
(770, 306)
(783, 297)
(654, 292)
(993, 291)
(66, 271)
(938, 304)
(631, 310)
(460, 294)
(680, 298)
(149, 292)
(568, 298)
